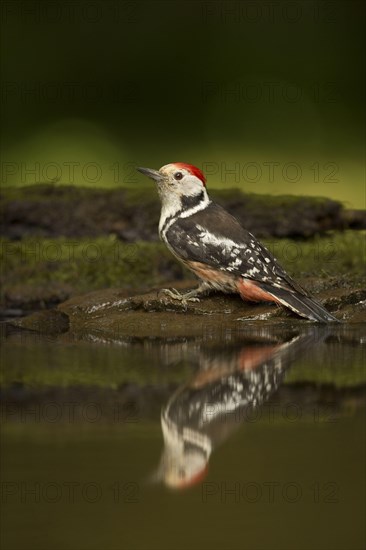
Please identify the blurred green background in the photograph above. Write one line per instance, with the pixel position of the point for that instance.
(265, 96)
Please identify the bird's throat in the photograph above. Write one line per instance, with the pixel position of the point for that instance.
(181, 207)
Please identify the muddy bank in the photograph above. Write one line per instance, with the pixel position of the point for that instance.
(111, 315)
(60, 210)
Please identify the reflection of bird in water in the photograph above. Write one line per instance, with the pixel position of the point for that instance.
(204, 412)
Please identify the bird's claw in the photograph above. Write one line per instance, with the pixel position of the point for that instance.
(175, 295)
(172, 293)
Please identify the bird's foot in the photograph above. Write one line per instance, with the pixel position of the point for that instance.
(183, 298)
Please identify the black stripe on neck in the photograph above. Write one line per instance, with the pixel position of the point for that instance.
(191, 202)
(186, 204)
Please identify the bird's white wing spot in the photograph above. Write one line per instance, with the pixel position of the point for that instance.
(206, 237)
(235, 251)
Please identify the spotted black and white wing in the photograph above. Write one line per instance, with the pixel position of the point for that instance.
(215, 238)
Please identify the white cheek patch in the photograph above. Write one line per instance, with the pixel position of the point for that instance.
(190, 186)
(169, 208)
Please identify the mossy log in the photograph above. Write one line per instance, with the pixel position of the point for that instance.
(59, 210)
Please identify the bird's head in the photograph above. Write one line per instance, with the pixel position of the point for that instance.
(181, 470)
(177, 180)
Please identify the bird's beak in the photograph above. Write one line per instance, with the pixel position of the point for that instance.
(150, 173)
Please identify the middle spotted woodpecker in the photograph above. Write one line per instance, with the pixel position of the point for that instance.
(213, 244)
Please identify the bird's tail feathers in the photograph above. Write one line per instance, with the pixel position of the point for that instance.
(301, 304)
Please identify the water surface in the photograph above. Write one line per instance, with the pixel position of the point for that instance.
(253, 440)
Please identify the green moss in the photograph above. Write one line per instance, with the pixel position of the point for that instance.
(88, 264)
(339, 253)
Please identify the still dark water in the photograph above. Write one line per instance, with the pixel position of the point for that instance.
(233, 441)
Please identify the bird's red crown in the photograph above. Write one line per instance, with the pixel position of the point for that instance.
(193, 170)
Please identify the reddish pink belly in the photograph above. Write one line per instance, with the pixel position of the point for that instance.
(249, 290)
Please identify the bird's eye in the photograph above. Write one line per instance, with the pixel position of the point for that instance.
(178, 175)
